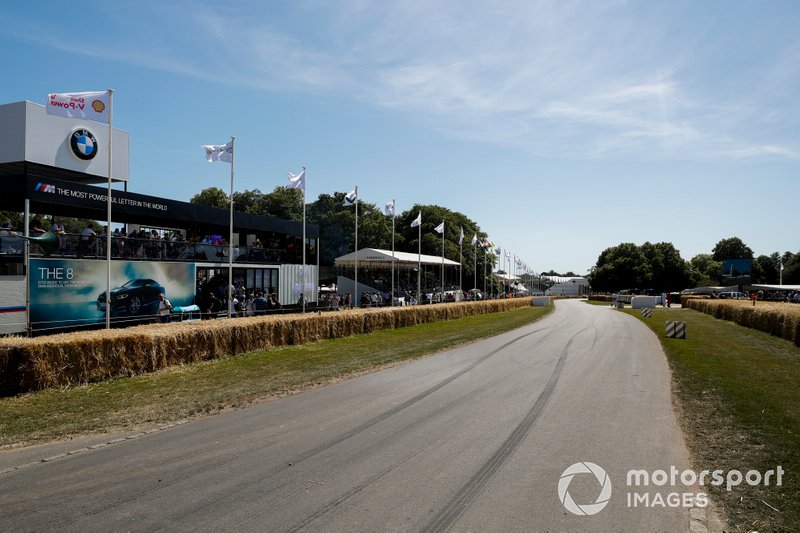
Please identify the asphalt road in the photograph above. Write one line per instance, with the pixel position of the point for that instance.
(473, 439)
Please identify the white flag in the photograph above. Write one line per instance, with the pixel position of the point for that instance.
(389, 209)
(781, 265)
(219, 152)
(297, 181)
(350, 198)
(89, 105)
(461, 237)
(417, 221)
(439, 228)
(508, 254)
(474, 239)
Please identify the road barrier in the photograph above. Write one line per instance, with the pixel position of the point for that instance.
(676, 329)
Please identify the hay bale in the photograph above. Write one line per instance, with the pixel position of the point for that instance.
(89, 356)
(776, 318)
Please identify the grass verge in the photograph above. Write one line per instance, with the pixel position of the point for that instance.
(739, 393)
(203, 388)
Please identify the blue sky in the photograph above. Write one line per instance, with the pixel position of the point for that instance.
(560, 127)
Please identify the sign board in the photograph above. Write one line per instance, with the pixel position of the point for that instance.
(70, 293)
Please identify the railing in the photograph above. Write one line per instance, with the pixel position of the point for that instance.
(72, 245)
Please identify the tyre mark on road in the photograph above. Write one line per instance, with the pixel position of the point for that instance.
(355, 490)
(464, 497)
(408, 403)
(363, 454)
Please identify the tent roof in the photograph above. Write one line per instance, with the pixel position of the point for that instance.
(776, 287)
(374, 255)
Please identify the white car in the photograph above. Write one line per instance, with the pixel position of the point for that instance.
(733, 295)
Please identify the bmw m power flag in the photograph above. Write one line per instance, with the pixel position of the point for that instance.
(89, 105)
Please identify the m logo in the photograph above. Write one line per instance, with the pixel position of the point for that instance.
(44, 187)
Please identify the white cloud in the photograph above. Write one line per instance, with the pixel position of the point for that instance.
(573, 78)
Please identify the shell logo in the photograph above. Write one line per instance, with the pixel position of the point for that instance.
(98, 106)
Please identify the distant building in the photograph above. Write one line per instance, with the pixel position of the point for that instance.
(567, 286)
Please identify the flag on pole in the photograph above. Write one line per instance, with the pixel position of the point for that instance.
(297, 181)
(498, 251)
(417, 221)
(389, 209)
(781, 264)
(350, 198)
(474, 239)
(89, 105)
(439, 228)
(219, 152)
(461, 237)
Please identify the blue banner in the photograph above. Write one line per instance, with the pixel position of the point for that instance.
(68, 293)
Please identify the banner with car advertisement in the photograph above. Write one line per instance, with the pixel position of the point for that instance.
(67, 293)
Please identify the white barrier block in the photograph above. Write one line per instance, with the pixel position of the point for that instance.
(641, 302)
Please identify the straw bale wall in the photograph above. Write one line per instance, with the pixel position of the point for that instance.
(776, 318)
(79, 358)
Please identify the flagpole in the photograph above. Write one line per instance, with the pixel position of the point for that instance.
(357, 300)
(485, 260)
(461, 264)
(419, 260)
(230, 236)
(303, 272)
(475, 264)
(108, 212)
(443, 261)
(391, 296)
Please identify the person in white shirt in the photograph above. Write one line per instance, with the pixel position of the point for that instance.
(164, 309)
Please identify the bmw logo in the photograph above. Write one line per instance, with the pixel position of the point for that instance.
(83, 144)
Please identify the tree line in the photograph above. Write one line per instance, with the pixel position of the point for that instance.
(660, 267)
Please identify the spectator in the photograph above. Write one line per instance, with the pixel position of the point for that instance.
(87, 238)
(273, 302)
(59, 229)
(36, 226)
(260, 304)
(164, 309)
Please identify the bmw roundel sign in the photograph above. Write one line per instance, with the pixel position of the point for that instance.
(83, 144)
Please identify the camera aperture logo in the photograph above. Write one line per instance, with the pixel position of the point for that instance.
(589, 508)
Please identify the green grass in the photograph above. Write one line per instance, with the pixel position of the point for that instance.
(739, 393)
(596, 302)
(193, 390)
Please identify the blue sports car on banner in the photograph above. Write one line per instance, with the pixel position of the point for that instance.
(136, 297)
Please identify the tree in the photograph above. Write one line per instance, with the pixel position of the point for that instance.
(432, 215)
(791, 268)
(620, 267)
(668, 270)
(768, 269)
(337, 226)
(732, 248)
(705, 271)
(212, 197)
(285, 203)
(252, 202)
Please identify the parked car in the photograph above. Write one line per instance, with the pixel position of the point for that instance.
(135, 297)
(732, 295)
